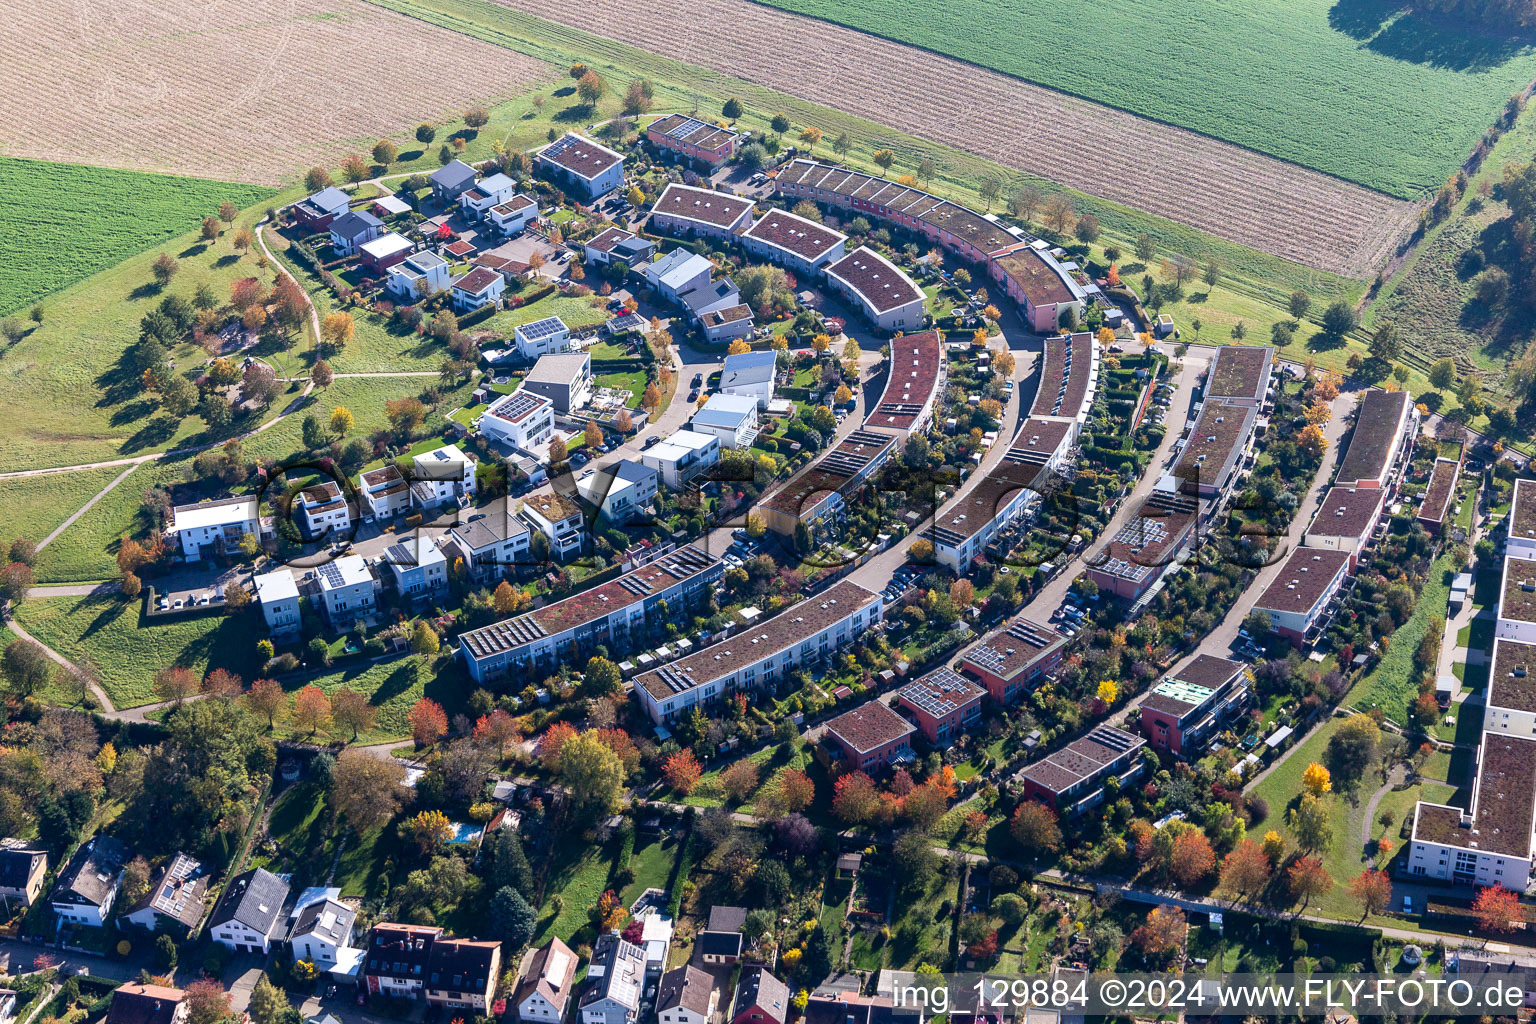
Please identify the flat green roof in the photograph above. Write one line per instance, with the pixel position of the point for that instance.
(1178, 689)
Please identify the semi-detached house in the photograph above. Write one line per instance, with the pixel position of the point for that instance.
(543, 990)
(693, 139)
(762, 653)
(247, 914)
(615, 978)
(582, 165)
(685, 211)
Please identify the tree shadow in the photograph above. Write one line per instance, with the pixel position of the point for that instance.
(1392, 29)
(157, 431)
(196, 249)
(227, 260)
(147, 290)
(411, 155)
(1362, 19)
(574, 114)
(131, 412)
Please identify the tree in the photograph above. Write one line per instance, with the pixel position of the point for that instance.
(366, 791)
(1308, 879)
(351, 710)
(884, 158)
(210, 228)
(1163, 931)
(738, 347)
(740, 779)
(476, 117)
(1339, 319)
(341, 421)
(321, 373)
(1316, 779)
(1146, 247)
(1088, 228)
(164, 268)
(385, 152)
(921, 551)
(651, 398)
(311, 709)
(1374, 891)
(27, 667)
(811, 136)
(317, 178)
(337, 330)
(732, 109)
(779, 122)
(266, 697)
(1354, 750)
(1034, 827)
(425, 134)
(207, 1002)
(1442, 374)
(855, 798)
(1310, 823)
(1024, 203)
(221, 682)
(430, 830)
(558, 451)
(512, 920)
(1192, 858)
(405, 415)
(1059, 214)
(497, 729)
(429, 723)
(591, 87)
(682, 772)
(592, 771)
(601, 677)
(176, 684)
(269, 1004)
(1497, 909)
(1245, 870)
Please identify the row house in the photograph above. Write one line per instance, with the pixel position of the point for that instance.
(943, 703)
(684, 211)
(868, 738)
(590, 169)
(697, 141)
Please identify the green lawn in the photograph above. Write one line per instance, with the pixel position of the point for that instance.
(392, 687)
(578, 874)
(1391, 101)
(378, 348)
(87, 551)
(65, 222)
(653, 863)
(573, 310)
(633, 382)
(34, 506)
(1392, 684)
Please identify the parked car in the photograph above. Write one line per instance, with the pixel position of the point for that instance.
(649, 442)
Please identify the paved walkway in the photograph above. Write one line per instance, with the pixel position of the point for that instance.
(75, 670)
(1394, 776)
(66, 524)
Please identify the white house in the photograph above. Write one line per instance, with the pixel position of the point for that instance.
(878, 289)
(442, 476)
(419, 276)
(209, 527)
(175, 897)
(279, 597)
(682, 456)
(348, 589)
(513, 214)
(323, 511)
(558, 518)
(620, 489)
(802, 245)
(89, 884)
(524, 419)
(321, 931)
(478, 288)
(686, 995)
(544, 987)
(699, 212)
(565, 379)
(750, 374)
(477, 200)
(418, 567)
(731, 418)
(492, 542)
(350, 230)
(615, 978)
(590, 169)
(617, 245)
(247, 914)
(542, 337)
(383, 492)
(722, 323)
(383, 253)
(677, 272)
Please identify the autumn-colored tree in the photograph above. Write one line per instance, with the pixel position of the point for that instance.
(431, 830)
(1308, 879)
(176, 683)
(1245, 870)
(244, 239)
(352, 710)
(311, 709)
(1193, 858)
(164, 268)
(385, 152)
(593, 435)
(1497, 909)
(1163, 931)
(1312, 441)
(337, 330)
(429, 723)
(884, 158)
(553, 741)
(221, 682)
(404, 414)
(497, 729)
(266, 697)
(624, 422)
(1035, 828)
(354, 167)
(810, 136)
(854, 798)
(1274, 847)
(558, 451)
(1327, 389)
(796, 791)
(1108, 691)
(738, 347)
(1317, 780)
(682, 772)
(1374, 891)
(504, 599)
(591, 87)
(211, 228)
(740, 779)
(651, 398)
(207, 1002)
(921, 551)
(341, 421)
(962, 593)
(321, 373)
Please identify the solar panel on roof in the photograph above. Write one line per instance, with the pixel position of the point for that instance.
(542, 328)
(331, 573)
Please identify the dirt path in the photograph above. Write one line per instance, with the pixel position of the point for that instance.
(1394, 776)
(59, 659)
(66, 524)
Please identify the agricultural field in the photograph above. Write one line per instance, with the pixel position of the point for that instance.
(260, 90)
(65, 222)
(1235, 193)
(1361, 91)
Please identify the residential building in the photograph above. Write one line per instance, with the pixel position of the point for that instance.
(685, 211)
(147, 1004)
(1490, 843)
(994, 501)
(761, 998)
(1438, 494)
(1069, 379)
(208, 528)
(542, 337)
(1071, 780)
(442, 476)
(1182, 712)
(615, 245)
(452, 180)
(615, 977)
(801, 245)
(911, 387)
(828, 1007)
(418, 567)
(1014, 660)
(478, 200)
(323, 511)
(1298, 601)
(396, 963)
(383, 493)
(1045, 291)
(731, 418)
(175, 900)
(321, 931)
(610, 613)
(543, 991)
(869, 737)
(727, 323)
(384, 253)
(943, 703)
(582, 165)
(682, 456)
(751, 374)
(462, 974)
(246, 916)
(512, 215)
(722, 942)
(352, 229)
(348, 589)
(656, 931)
(559, 519)
(1383, 435)
(511, 270)
(1347, 519)
(1241, 375)
(524, 419)
(278, 596)
(1517, 603)
(492, 542)
(317, 211)
(686, 995)
(1511, 701)
(622, 490)
(1154, 539)
(677, 272)
(565, 380)
(1215, 451)
(760, 655)
(419, 276)
(695, 140)
(88, 885)
(477, 289)
(22, 869)
(712, 297)
(878, 289)
(818, 494)
(1521, 521)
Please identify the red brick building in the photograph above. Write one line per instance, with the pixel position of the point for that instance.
(1015, 660)
(868, 737)
(1183, 711)
(943, 703)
